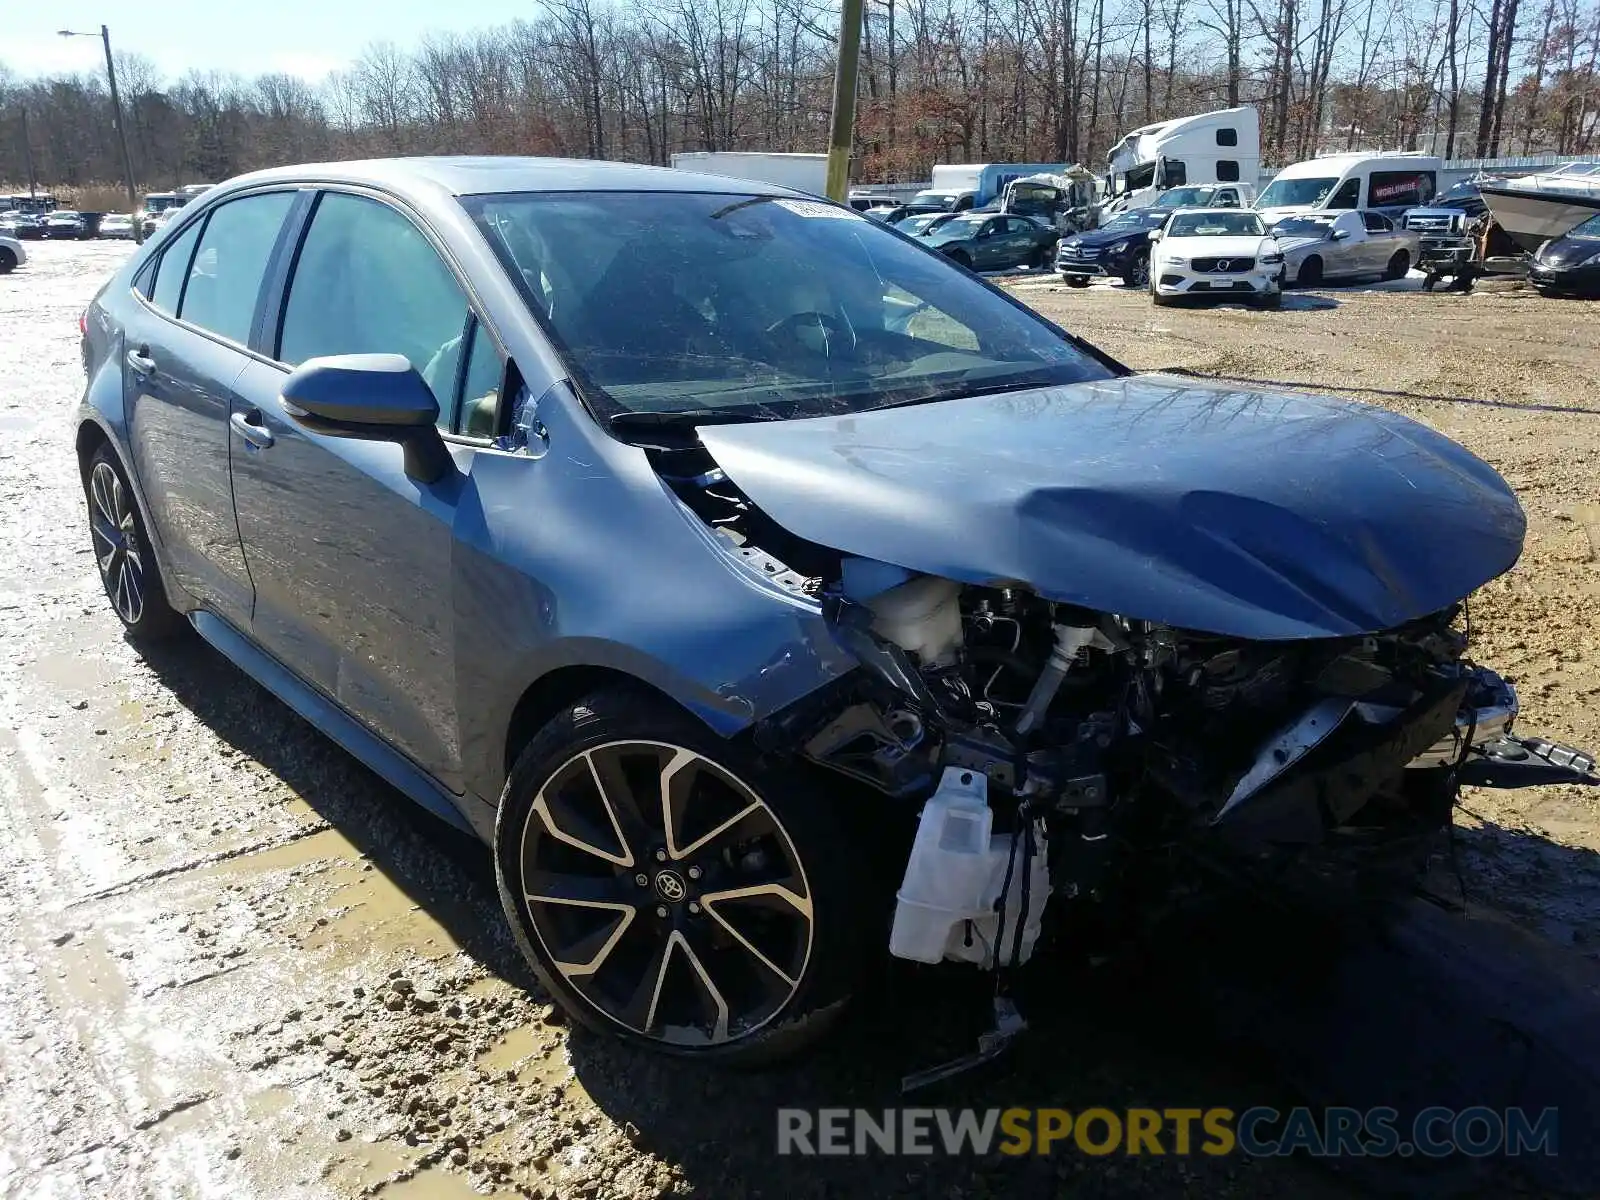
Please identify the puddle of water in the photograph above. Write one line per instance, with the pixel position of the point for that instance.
(512, 1050)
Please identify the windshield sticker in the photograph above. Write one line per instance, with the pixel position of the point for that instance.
(815, 208)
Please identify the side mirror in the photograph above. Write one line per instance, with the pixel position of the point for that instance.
(378, 397)
(1154, 235)
(1339, 235)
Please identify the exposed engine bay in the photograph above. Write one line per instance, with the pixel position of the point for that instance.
(1060, 752)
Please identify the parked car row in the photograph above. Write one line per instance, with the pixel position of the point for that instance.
(1233, 251)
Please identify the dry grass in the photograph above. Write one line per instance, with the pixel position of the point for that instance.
(92, 197)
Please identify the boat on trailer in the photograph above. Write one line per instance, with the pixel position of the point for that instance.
(1533, 209)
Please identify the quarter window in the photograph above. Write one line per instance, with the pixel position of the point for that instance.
(480, 384)
(1377, 223)
(225, 277)
(368, 282)
(173, 269)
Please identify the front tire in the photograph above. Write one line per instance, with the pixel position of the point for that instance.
(1156, 297)
(1310, 273)
(960, 258)
(1077, 281)
(8, 260)
(1138, 273)
(739, 945)
(123, 553)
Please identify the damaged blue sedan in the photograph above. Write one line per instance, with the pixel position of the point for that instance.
(770, 592)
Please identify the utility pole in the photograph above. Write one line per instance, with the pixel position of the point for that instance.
(122, 128)
(27, 157)
(842, 133)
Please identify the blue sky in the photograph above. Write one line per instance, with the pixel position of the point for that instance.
(303, 37)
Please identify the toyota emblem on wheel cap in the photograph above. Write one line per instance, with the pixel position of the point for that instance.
(670, 886)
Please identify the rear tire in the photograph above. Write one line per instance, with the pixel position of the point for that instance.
(123, 553)
(757, 952)
(1398, 266)
(1310, 273)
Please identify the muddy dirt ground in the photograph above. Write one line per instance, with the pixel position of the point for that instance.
(236, 964)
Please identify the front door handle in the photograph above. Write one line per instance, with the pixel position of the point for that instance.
(257, 434)
(141, 361)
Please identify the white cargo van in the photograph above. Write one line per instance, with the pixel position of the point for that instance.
(1389, 183)
(1214, 147)
(803, 172)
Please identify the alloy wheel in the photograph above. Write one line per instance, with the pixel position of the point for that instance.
(117, 549)
(666, 892)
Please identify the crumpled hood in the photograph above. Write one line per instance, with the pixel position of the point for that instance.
(1297, 243)
(1255, 514)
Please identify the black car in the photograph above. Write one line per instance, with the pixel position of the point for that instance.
(1569, 264)
(1120, 247)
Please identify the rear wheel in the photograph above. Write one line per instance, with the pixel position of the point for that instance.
(1398, 265)
(669, 889)
(123, 554)
(1310, 272)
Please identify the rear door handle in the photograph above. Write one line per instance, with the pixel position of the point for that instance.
(256, 434)
(141, 361)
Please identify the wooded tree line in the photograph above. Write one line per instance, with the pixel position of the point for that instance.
(942, 81)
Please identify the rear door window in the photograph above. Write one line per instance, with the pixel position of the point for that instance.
(225, 276)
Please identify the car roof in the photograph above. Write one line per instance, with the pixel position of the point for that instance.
(488, 175)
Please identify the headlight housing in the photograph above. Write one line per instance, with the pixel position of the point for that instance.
(1271, 259)
(1174, 260)
(1592, 261)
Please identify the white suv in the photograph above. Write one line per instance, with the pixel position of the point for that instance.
(1215, 253)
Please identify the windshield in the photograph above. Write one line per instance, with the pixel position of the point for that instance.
(1303, 227)
(1139, 218)
(1215, 224)
(945, 200)
(750, 307)
(1282, 193)
(1459, 194)
(964, 226)
(1185, 197)
(1589, 229)
(921, 223)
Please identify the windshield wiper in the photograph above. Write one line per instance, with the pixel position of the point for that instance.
(683, 418)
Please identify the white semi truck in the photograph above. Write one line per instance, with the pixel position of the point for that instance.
(1214, 147)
